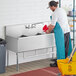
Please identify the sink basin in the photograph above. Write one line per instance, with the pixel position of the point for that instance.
(38, 34)
(23, 36)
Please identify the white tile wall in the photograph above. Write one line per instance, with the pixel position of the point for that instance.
(23, 11)
(29, 53)
(2, 32)
(42, 51)
(30, 56)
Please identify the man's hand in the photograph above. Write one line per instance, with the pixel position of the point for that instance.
(50, 28)
(47, 32)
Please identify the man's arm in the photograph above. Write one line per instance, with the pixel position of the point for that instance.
(50, 28)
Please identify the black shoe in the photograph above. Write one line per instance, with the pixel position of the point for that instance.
(53, 64)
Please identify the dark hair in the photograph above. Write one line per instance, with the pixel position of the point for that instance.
(53, 3)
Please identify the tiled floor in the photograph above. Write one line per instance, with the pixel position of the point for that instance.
(27, 67)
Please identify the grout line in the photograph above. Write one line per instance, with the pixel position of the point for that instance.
(49, 72)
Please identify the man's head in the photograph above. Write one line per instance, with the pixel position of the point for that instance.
(53, 5)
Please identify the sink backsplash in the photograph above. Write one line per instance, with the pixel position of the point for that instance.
(26, 29)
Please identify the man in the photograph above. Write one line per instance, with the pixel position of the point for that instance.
(61, 29)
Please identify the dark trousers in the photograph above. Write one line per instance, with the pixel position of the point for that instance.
(66, 39)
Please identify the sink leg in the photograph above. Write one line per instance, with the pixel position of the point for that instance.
(52, 52)
(17, 65)
(23, 55)
(7, 58)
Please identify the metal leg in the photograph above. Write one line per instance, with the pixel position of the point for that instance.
(17, 65)
(35, 52)
(52, 52)
(7, 57)
(23, 55)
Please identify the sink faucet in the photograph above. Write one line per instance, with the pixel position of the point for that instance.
(33, 26)
(27, 26)
(30, 26)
